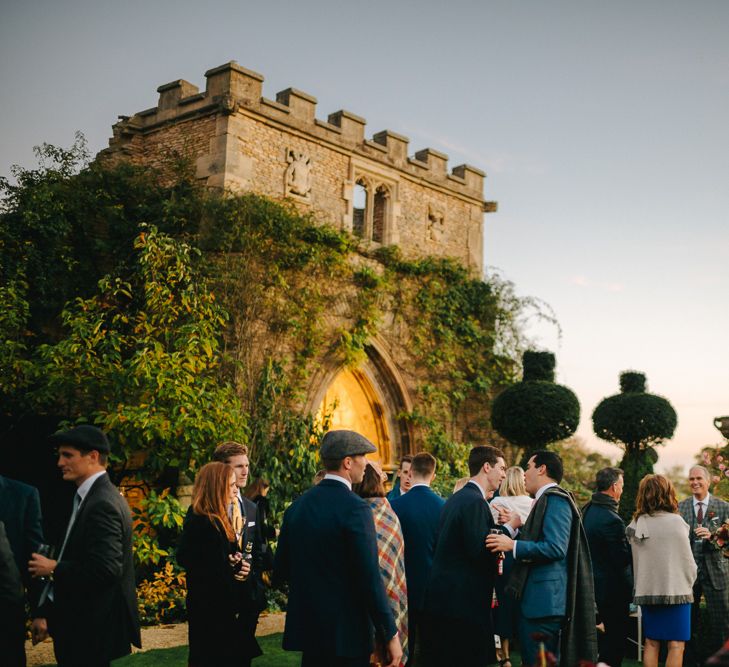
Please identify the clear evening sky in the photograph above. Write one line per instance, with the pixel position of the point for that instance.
(603, 128)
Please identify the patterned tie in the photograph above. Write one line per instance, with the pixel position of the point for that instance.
(48, 589)
(700, 514)
(238, 522)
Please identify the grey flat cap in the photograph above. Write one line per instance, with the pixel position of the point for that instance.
(338, 444)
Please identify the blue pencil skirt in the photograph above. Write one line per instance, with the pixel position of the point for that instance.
(667, 622)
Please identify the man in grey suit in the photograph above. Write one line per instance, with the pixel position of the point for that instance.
(704, 513)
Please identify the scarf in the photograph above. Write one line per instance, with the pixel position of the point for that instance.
(579, 637)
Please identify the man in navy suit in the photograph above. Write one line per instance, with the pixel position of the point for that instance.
(458, 629)
(21, 513)
(419, 513)
(327, 552)
(552, 575)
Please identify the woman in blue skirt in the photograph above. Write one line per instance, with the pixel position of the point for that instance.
(664, 570)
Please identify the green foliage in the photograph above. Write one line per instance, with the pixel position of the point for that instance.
(716, 461)
(534, 412)
(538, 366)
(173, 350)
(141, 359)
(284, 445)
(635, 419)
(581, 465)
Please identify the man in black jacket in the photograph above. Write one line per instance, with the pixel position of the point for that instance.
(327, 552)
(457, 628)
(90, 600)
(20, 512)
(611, 564)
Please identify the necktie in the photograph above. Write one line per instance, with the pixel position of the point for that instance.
(48, 590)
(700, 514)
(238, 522)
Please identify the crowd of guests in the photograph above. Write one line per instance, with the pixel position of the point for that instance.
(399, 578)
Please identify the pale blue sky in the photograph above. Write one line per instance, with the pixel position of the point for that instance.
(603, 127)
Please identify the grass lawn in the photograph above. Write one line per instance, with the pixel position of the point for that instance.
(273, 656)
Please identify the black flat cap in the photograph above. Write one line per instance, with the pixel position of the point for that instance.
(338, 444)
(84, 437)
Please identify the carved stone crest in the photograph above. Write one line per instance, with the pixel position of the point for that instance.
(436, 224)
(298, 174)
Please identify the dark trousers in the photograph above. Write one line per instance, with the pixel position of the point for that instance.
(717, 613)
(549, 626)
(414, 620)
(246, 624)
(446, 641)
(309, 659)
(611, 643)
(12, 635)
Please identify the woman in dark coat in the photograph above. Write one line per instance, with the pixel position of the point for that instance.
(210, 554)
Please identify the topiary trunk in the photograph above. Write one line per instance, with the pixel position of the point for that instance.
(636, 464)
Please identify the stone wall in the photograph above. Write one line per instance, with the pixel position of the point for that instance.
(240, 140)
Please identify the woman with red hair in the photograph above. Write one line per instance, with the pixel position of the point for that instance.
(210, 554)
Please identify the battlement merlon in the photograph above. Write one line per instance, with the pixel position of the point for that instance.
(231, 88)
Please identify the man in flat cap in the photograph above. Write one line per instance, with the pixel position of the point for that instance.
(327, 552)
(89, 604)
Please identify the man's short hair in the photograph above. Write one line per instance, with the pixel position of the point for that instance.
(103, 456)
(423, 464)
(225, 450)
(606, 477)
(408, 458)
(552, 461)
(703, 470)
(481, 454)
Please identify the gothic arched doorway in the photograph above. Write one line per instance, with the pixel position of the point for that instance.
(371, 400)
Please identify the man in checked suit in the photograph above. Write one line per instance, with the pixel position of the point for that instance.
(419, 513)
(89, 605)
(704, 513)
(253, 598)
(457, 628)
(327, 552)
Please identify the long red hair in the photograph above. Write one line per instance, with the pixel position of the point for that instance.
(211, 496)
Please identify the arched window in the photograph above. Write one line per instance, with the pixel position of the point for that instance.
(359, 210)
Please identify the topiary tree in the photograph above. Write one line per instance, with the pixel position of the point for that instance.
(637, 421)
(536, 411)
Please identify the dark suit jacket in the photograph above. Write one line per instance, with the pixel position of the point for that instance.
(11, 587)
(327, 551)
(213, 595)
(20, 511)
(93, 615)
(253, 591)
(709, 559)
(419, 513)
(462, 577)
(609, 550)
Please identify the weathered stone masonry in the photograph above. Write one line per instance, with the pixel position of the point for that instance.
(243, 141)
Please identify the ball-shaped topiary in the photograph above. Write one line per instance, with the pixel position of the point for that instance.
(536, 411)
(636, 420)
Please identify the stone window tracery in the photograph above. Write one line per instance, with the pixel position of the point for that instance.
(372, 210)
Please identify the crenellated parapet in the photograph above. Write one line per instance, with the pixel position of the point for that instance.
(231, 88)
(374, 187)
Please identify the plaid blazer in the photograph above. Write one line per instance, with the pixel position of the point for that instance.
(708, 558)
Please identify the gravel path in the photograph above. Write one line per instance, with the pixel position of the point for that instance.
(157, 636)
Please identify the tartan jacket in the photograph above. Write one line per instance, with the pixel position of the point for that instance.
(708, 558)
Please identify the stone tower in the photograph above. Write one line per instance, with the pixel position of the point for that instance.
(373, 188)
